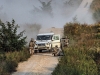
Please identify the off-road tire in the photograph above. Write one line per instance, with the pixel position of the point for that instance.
(50, 50)
(40, 51)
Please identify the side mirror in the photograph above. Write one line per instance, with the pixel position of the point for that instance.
(52, 39)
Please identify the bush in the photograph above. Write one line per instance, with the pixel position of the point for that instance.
(10, 60)
(82, 57)
(10, 40)
(12, 47)
(76, 62)
(18, 56)
(7, 67)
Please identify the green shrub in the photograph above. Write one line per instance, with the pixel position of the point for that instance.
(76, 62)
(10, 60)
(12, 47)
(10, 40)
(9, 66)
(18, 56)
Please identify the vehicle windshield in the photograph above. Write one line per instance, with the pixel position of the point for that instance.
(44, 37)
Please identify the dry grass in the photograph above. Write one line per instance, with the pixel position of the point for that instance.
(83, 57)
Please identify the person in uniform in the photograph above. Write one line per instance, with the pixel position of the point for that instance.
(57, 51)
(31, 46)
(66, 41)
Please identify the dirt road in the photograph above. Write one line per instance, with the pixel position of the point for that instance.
(38, 64)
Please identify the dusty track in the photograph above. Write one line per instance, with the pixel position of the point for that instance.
(38, 64)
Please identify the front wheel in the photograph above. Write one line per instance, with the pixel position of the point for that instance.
(40, 51)
(50, 50)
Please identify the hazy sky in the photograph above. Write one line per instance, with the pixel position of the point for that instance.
(22, 12)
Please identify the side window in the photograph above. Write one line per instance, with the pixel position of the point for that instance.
(56, 37)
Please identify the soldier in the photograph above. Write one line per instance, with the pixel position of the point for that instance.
(54, 51)
(31, 46)
(57, 51)
(66, 41)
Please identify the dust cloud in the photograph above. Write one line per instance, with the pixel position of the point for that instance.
(31, 15)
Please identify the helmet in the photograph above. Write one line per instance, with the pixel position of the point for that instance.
(65, 36)
(56, 46)
(32, 39)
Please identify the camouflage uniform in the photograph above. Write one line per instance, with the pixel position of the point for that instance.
(62, 43)
(31, 46)
(66, 41)
(57, 51)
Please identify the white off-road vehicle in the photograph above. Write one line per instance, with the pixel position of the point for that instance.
(47, 41)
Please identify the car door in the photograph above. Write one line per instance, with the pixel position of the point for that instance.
(56, 40)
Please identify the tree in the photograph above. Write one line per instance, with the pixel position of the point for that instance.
(9, 39)
(45, 8)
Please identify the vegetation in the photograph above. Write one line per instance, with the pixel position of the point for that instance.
(82, 57)
(76, 62)
(9, 61)
(45, 8)
(12, 48)
(9, 39)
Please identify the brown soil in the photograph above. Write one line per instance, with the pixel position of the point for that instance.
(37, 64)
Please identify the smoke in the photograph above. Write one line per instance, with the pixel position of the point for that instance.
(21, 12)
(84, 14)
(31, 16)
(3, 15)
(31, 30)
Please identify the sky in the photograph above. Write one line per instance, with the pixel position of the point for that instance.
(22, 11)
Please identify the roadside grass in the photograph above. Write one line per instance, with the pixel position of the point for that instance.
(9, 61)
(82, 56)
(76, 62)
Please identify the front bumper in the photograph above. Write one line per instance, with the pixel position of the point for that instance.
(42, 48)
